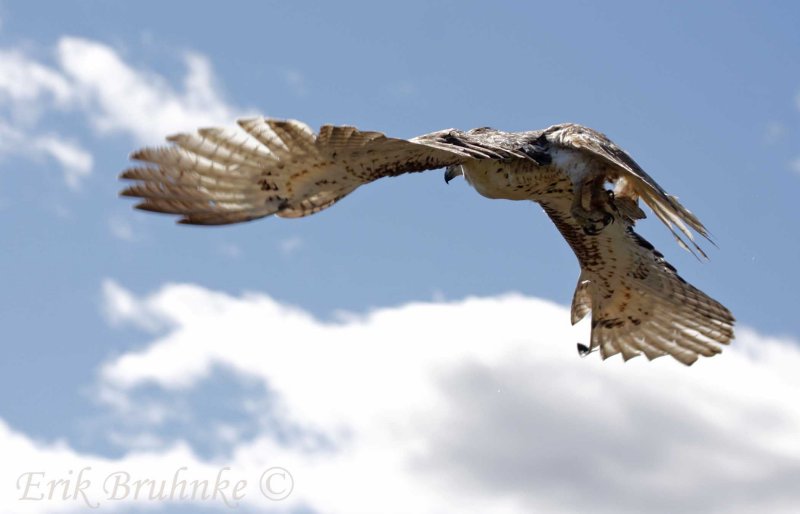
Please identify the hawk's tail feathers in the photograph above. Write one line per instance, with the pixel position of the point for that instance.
(649, 309)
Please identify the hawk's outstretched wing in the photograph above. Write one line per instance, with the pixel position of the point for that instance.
(221, 176)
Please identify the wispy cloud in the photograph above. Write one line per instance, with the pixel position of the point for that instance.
(120, 307)
(139, 102)
(231, 250)
(91, 79)
(27, 90)
(76, 162)
(296, 81)
(121, 228)
(404, 88)
(290, 245)
(24, 80)
(795, 165)
(774, 132)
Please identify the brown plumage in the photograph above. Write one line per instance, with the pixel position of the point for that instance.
(639, 304)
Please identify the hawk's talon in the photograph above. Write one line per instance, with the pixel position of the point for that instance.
(593, 227)
(584, 350)
(590, 222)
(591, 230)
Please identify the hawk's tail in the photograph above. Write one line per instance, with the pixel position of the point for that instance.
(639, 303)
(645, 307)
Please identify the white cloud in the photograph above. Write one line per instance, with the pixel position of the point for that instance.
(446, 407)
(470, 406)
(36, 464)
(795, 165)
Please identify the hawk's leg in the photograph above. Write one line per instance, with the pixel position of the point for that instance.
(595, 219)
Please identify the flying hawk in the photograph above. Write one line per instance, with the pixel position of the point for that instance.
(639, 304)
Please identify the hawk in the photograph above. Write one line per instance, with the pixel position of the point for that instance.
(587, 185)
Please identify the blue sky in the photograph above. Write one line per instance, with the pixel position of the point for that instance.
(705, 97)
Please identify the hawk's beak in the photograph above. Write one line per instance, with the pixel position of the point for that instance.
(452, 172)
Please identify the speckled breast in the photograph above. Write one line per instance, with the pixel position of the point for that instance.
(516, 180)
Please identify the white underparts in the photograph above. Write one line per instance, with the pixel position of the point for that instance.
(575, 165)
